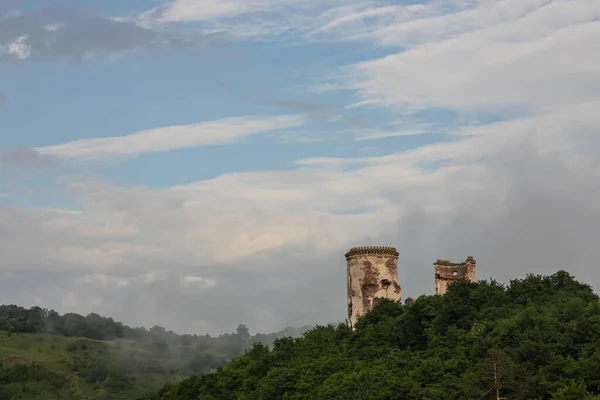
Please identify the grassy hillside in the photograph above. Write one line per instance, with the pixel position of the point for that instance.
(536, 339)
(43, 366)
(131, 363)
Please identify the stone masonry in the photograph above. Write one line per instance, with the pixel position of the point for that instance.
(372, 274)
(447, 272)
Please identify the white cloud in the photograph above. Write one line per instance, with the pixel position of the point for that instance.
(248, 236)
(206, 10)
(171, 138)
(560, 132)
(354, 21)
(325, 204)
(524, 187)
(536, 59)
(186, 10)
(102, 279)
(17, 48)
(196, 282)
(66, 32)
(370, 134)
(245, 18)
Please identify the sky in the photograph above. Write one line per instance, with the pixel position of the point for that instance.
(200, 164)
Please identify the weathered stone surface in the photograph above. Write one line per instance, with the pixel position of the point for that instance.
(447, 272)
(372, 274)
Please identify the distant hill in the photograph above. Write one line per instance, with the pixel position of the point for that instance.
(48, 356)
(536, 338)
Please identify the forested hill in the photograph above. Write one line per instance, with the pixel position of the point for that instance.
(16, 319)
(536, 338)
(49, 356)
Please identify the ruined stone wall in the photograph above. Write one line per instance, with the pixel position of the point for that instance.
(372, 274)
(447, 272)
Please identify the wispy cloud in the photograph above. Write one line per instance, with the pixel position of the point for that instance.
(202, 10)
(516, 174)
(247, 19)
(171, 138)
(517, 60)
(56, 31)
(371, 134)
(28, 159)
(533, 205)
(209, 10)
(102, 279)
(197, 282)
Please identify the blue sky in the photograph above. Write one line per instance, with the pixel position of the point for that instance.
(225, 79)
(171, 151)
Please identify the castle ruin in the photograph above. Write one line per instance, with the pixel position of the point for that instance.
(372, 275)
(447, 272)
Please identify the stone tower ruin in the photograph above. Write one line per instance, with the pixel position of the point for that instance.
(372, 274)
(447, 272)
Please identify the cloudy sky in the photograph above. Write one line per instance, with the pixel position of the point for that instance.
(204, 163)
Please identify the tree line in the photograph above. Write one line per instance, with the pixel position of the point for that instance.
(16, 319)
(47, 355)
(536, 338)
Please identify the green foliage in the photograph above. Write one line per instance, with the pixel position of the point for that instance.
(537, 338)
(28, 381)
(573, 390)
(43, 359)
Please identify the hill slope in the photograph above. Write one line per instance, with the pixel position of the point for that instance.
(128, 363)
(43, 366)
(537, 338)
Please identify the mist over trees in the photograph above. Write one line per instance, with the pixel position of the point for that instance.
(536, 338)
(16, 319)
(52, 356)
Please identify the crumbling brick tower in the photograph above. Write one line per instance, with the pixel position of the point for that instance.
(372, 274)
(447, 272)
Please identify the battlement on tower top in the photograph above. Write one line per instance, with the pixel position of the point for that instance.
(372, 250)
(448, 263)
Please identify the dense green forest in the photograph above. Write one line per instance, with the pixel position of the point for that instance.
(535, 338)
(50, 356)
